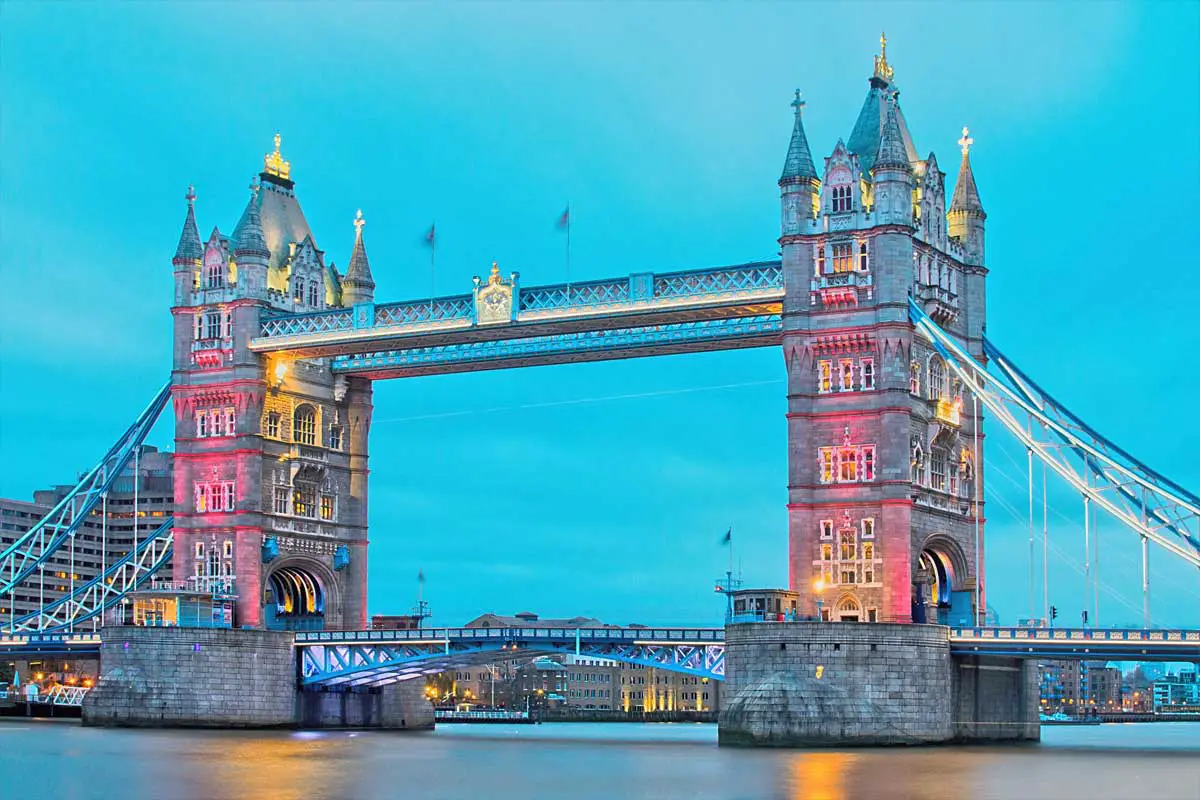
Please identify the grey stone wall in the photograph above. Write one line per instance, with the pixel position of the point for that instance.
(193, 677)
(399, 706)
(846, 684)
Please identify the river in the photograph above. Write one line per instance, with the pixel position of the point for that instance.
(580, 761)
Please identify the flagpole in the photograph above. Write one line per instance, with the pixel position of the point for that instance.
(568, 252)
(432, 268)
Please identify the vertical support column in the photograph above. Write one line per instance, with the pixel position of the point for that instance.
(1087, 548)
(1029, 461)
(980, 613)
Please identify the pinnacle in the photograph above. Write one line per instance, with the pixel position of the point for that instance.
(250, 240)
(966, 194)
(799, 162)
(358, 274)
(891, 154)
(189, 249)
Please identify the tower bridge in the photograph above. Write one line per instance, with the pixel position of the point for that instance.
(878, 304)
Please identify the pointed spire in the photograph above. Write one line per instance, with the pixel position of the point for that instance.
(799, 162)
(883, 70)
(966, 195)
(358, 286)
(190, 250)
(892, 153)
(250, 238)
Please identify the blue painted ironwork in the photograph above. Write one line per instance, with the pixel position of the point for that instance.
(1144, 501)
(33, 644)
(375, 658)
(336, 319)
(1078, 643)
(105, 591)
(24, 556)
(441, 309)
(611, 341)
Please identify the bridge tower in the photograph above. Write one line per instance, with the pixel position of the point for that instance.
(883, 475)
(271, 452)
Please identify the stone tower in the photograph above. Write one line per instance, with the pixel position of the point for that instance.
(271, 451)
(882, 452)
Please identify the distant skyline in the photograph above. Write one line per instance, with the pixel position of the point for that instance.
(600, 489)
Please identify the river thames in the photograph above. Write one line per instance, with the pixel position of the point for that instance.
(64, 761)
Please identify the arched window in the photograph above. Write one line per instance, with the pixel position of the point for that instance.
(312, 293)
(304, 425)
(937, 378)
(841, 199)
(299, 290)
(848, 610)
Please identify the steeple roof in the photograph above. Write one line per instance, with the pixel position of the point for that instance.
(799, 162)
(868, 128)
(189, 249)
(966, 195)
(891, 153)
(358, 274)
(282, 219)
(248, 239)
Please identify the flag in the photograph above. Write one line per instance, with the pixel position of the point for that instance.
(420, 576)
(728, 537)
(565, 219)
(431, 237)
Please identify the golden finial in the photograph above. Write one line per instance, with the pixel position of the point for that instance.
(359, 221)
(798, 103)
(191, 195)
(495, 276)
(966, 141)
(273, 163)
(882, 70)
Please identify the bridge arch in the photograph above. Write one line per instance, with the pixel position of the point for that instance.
(941, 570)
(848, 609)
(300, 593)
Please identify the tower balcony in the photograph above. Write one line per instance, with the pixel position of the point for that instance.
(948, 411)
(212, 352)
(939, 303)
(841, 289)
(307, 461)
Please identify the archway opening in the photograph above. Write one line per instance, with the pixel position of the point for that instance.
(294, 600)
(848, 610)
(933, 592)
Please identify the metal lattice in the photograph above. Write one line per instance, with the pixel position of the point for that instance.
(766, 275)
(591, 294)
(23, 557)
(1146, 502)
(103, 592)
(301, 324)
(443, 309)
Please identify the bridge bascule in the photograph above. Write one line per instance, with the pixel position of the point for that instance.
(876, 303)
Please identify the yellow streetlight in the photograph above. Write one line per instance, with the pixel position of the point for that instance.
(819, 588)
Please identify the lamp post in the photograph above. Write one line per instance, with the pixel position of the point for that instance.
(819, 588)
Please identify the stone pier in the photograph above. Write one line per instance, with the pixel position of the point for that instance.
(817, 684)
(222, 678)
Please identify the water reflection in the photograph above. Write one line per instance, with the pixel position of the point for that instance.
(283, 766)
(925, 774)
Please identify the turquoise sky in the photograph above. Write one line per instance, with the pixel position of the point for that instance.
(599, 489)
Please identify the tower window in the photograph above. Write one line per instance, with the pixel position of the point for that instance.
(820, 259)
(299, 291)
(937, 378)
(304, 425)
(846, 375)
(304, 501)
(280, 500)
(867, 373)
(312, 293)
(843, 257)
(862, 257)
(826, 529)
(326, 507)
(214, 275)
(335, 437)
(937, 469)
(841, 199)
(212, 325)
(824, 376)
(868, 528)
(273, 425)
(227, 323)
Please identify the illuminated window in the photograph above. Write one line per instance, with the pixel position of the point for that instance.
(273, 425)
(304, 425)
(214, 496)
(217, 425)
(848, 544)
(868, 528)
(863, 262)
(846, 375)
(214, 275)
(326, 507)
(937, 469)
(215, 422)
(841, 199)
(826, 462)
(820, 258)
(826, 529)
(280, 500)
(299, 293)
(827, 552)
(914, 378)
(866, 368)
(937, 378)
(335, 437)
(843, 257)
(824, 376)
(847, 465)
(199, 549)
(868, 463)
(227, 549)
(227, 323)
(304, 501)
(312, 293)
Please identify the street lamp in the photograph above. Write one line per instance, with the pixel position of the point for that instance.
(819, 587)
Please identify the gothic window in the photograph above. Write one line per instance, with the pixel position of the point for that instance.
(847, 465)
(312, 293)
(335, 437)
(298, 296)
(937, 469)
(326, 507)
(304, 425)
(819, 259)
(841, 199)
(304, 501)
(215, 422)
(212, 325)
(826, 465)
(937, 378)
(201, 425)
(824, 376)
(867, 373)
(846, 375)
(848, 545)
(868, 463)
(914, 378)
(214, 496)
(214, 274)
(280, 500)
(863, 262)
(826, 529)
(868, 528)
(199, 550)
(273, 425)
(843, 257)
(227, 549)
(918, 463)
(227, 323)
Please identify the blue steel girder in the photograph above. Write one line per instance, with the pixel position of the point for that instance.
(91, 599)
(637, 300)
(599, 345)
(374, 658)
(29, 552)
(1155, 508)
(1116, 644)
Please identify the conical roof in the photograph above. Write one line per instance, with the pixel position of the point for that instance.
(248, 237)
(891, 153)
(189, 249)
(966, 195)
(358, 274)
(799, 162)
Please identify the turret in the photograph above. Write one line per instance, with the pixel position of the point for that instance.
(188, 254)
(892, 175)
(966, 216)
(799, 185)
(358, 286)
(250, 250)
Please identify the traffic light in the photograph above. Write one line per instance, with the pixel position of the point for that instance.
(1053, 613)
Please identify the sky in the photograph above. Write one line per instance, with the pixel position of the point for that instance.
(601, 489)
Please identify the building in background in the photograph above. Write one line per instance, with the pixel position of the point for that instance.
(1177, 693)
(145, 484)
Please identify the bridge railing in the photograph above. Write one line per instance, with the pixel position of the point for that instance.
(1068, 635)
(426, 635)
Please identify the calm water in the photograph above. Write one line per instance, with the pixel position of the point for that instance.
(579, 762)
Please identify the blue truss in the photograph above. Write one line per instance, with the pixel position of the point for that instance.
(636, 293)
(23, 557)
(375, 658)
(1156, 509)
(583, 345)
(1078, 643)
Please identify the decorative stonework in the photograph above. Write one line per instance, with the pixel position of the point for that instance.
(494, 299)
